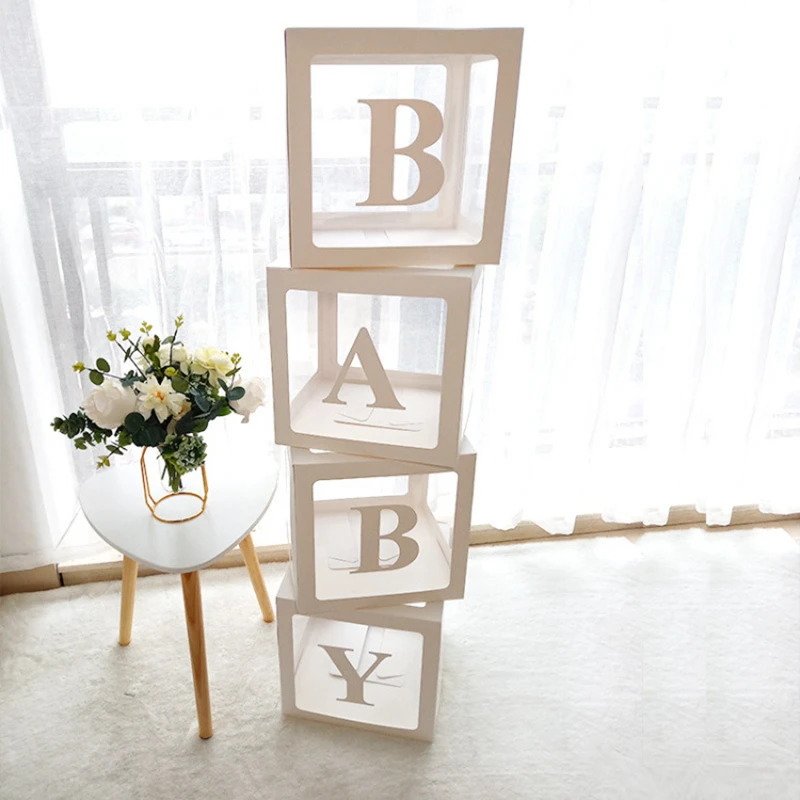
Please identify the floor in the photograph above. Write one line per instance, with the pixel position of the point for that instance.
(666, 666)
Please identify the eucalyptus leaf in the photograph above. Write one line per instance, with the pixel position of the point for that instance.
(237, 393)
(180, 384)
(202, 403)
(134, 421)
(102, 365)
(186, 424)
(153, 435)
(168, 340)
(223, 385)
(96, 377)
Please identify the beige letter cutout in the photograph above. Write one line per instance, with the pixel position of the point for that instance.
(355, 682)
(371, 537)
(383, 150)
(378, 380)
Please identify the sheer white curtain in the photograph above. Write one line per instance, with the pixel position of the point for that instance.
(639, 346)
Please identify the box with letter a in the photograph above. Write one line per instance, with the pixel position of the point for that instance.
(399, 144)
(371, 362)
(373, 668)
(373, 532)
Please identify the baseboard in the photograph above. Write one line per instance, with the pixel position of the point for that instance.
(30, 580)
(111, 570)
(52, 576)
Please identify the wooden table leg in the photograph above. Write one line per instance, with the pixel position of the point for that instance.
(130, 568)
(193, 606)
(256, 578)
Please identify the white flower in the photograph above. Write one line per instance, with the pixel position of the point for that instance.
(180, 357)
(109, 404)
(254, 393)
(217, 363)
(159, 397)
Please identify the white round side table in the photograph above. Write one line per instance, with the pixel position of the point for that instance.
(113, 502)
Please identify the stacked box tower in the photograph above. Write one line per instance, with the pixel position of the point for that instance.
(383, 237)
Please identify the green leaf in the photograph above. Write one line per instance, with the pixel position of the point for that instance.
(223, 385)
(153, 435)
(224, 411)
(185, 424)
(168, 340)
(80, 444)
(237, 393)
(134, 421)
(200, 425)
(125, 438)
(96, 377)
(102, 365)
(180, 384)
(202, 403)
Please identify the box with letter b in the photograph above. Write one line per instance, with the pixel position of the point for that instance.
(370, 532)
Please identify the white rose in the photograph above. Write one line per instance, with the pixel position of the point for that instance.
(109, 404)
(180, 357)
(217, 363)
(255, 391)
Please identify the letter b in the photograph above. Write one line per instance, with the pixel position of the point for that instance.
(383, 151)
(371, 537)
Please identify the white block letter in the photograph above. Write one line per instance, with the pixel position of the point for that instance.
(383, 150)
(371, 537)
(364, 348)
(355, 682)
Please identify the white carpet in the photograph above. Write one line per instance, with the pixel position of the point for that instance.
(601, 668)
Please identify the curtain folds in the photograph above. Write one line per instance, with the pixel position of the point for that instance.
(639, 346)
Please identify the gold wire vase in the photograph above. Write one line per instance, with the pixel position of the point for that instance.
(152, 503)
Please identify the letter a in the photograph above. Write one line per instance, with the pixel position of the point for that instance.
(355, 682)
(378, 380)
(371, 537)
(383, 151)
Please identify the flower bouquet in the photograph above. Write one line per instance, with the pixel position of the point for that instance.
(165, 400)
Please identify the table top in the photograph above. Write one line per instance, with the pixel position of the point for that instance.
(238, 495)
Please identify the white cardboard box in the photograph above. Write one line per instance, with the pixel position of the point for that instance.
(331, 390)
(357, 199)
(372, 668)
(373, 532)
